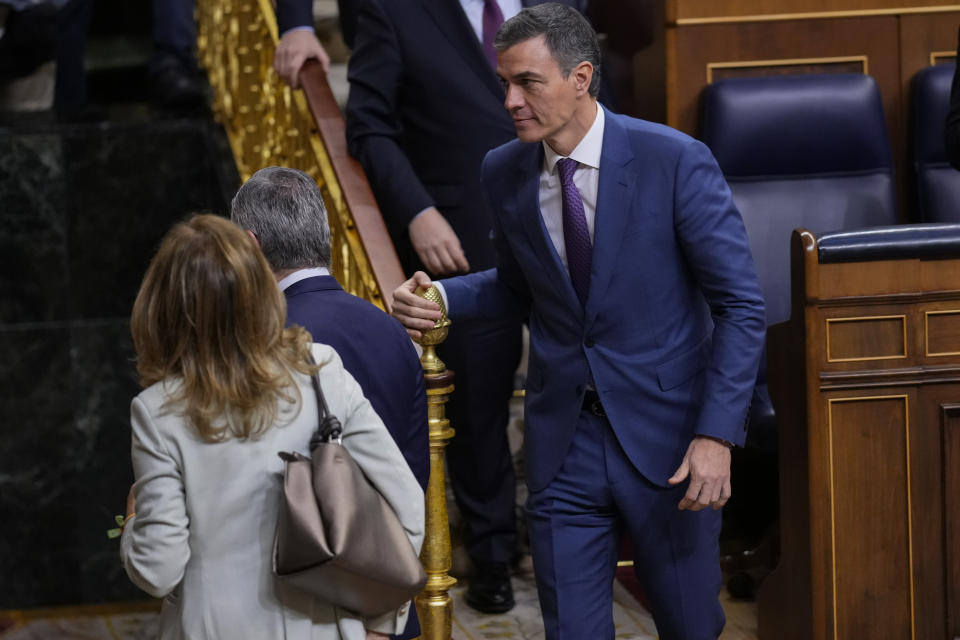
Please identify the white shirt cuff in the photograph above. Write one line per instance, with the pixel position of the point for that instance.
(443, 294)
(304, 27)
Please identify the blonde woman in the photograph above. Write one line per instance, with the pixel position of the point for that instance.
(226, 388)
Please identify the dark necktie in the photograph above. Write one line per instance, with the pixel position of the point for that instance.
(576, 234)
(492, 19)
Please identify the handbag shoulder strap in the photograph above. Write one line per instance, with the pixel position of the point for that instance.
(328, 426)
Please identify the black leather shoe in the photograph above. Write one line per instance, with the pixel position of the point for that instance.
(490, 590)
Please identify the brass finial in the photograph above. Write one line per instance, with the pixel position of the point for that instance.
(430, 339)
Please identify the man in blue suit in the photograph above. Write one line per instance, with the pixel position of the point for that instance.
(424, 109)
(620, 240)
(283, 209)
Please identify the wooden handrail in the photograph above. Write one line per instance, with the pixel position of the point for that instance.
(269, 124)
(353, 182)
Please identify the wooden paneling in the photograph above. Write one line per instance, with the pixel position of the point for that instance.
(951, 509)
(941, 275)
(926, 475)
(869, 481)
(921, 36)
(942, 57)
(942, 333)
(865, 338)
(882, 277)
(869, 453)
(691, 49)
(761, 68)
(698, 9)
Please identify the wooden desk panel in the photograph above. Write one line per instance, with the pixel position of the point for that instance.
(869, 479)
(869, 455)
(685, 10)
(951, 507)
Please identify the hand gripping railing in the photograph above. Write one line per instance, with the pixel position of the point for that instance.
(269, 124)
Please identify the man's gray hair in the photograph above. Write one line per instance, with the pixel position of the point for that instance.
(284, 209)
(569, 37)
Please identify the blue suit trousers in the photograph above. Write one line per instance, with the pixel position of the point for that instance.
(576, 523)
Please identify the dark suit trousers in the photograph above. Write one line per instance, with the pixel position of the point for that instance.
(575, 528)
(70, 89)
(484, 356)
(174, 32)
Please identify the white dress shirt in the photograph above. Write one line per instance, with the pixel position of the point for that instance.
(587, 179)
(302, 274)
(474, 11)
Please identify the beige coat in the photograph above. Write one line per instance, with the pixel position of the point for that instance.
(206, 515)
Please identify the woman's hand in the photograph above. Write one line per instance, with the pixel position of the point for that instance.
(376, 635)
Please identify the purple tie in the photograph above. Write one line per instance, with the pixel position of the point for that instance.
(492, 19)
(576, 235)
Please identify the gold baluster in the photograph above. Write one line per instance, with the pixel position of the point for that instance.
(434, 606)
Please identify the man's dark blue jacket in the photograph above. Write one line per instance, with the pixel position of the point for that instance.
(376, 351)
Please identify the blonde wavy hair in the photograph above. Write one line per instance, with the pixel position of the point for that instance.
(210, 316)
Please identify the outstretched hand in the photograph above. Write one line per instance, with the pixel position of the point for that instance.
(295, 48)
(416, 314)
(707, 464)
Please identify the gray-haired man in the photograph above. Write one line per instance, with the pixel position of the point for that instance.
(284, 211)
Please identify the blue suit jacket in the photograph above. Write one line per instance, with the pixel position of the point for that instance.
(667, 239)
(376, 351)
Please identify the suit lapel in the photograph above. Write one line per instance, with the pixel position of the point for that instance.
(454, 25)
(528, 209)
(613, 199)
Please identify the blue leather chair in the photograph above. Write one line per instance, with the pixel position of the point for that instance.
(937, 183)
(798, 151)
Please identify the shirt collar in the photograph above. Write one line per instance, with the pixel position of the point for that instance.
(302, 274)
(587, 152)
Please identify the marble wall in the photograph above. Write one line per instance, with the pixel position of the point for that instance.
(82, 209)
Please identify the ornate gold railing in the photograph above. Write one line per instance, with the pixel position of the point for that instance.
(434, 605)
(268, 124)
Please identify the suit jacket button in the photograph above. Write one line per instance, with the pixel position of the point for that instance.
(589, 342)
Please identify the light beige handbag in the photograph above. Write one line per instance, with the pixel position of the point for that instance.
(337, 538)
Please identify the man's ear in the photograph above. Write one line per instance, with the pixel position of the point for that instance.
(582, 76)
(254, 236)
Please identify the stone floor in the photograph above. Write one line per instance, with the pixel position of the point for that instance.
(138, 620)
